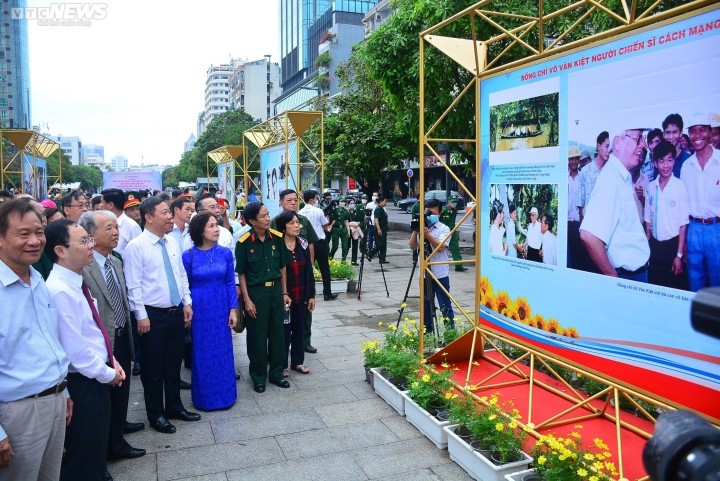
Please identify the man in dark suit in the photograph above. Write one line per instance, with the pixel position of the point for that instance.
(112, 303)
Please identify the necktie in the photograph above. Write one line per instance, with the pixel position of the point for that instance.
(172, 283)
(98, 321)
(114, 291)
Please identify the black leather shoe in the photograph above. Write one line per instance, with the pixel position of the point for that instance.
(185, 415)
(185, 385)
(461, 269)
(108, 476)
(162, 425)
(384, 262)
(283, 383)
(310, 349)
(128, 453)
(330, 297)
(136, 369)
(133, 427)
(259, 387)
(353, 263)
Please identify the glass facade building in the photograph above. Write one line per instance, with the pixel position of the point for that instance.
(14, 67)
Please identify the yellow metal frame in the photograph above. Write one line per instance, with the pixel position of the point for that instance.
(282, 129)
(224, 155)
(484, 58)
(30, 142)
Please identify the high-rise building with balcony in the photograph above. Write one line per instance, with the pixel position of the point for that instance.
(217, 91)
(71, 147)
(254, 85)
(14, 66)
(305, 25)
(93, 155)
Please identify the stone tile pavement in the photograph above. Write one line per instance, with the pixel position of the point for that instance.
(329, 425)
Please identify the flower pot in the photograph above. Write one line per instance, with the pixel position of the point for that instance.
(352, 287)
(338, 285)
(525, 475)
(369, 378)
(387, 390)
(478, 466)
(426, 423)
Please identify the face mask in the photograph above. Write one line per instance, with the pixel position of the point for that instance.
(453, 204)
(432, 219)
(374, 198)
(352, 206)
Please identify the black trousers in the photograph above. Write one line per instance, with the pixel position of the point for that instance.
(119, 396)
(162, 350)
(295, 334)
(321, 256)
(86, 438)
(662, 256)
(533, 254)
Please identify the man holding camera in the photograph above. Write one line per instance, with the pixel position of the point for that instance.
(436, 233)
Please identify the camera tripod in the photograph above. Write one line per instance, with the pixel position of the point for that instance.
(429, 292)
(363, 252)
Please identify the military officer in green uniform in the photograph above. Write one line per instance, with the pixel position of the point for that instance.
(447, 217)
(358, 215)
(381, 231)
(261, 258)
(340, 231)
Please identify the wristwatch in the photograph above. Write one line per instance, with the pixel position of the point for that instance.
(680, 255)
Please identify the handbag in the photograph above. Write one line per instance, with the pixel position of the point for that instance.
(240, 325)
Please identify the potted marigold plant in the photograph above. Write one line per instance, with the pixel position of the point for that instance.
(566, 459)
(429, 392)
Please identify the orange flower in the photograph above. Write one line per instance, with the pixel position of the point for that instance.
(490, 302)
(523, 309)
(503, 302)
(485, 286)
(511, 312)
(572, 332)
(539, 322)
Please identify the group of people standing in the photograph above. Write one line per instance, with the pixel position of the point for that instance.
(540, 243)
(649, 208)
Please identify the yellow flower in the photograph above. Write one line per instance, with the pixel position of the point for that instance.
(541, 460)
(582, 472)
(600, 444)
(576, 435)
(403, 305)
(424, 361)
(589, 457)
(512, 424)
(426, 377)
(492, 417)
(445, 365)
(499, 426)
(380, 323)
(414, 384)
(593, 478)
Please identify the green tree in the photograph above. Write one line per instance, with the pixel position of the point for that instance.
(365, 136)
(90, 177)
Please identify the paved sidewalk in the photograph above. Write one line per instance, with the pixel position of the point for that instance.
(329, 425)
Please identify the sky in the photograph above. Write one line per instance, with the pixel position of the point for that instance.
(133, 80)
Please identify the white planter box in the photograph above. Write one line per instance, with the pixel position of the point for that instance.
(519, 475)
(477, 465)
(339, 286)
(387, 390)
(426, 423)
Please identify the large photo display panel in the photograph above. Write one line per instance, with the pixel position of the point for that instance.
(273, 174)
(602, 171)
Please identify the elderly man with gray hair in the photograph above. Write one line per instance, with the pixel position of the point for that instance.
(611, 229)
(106, 282)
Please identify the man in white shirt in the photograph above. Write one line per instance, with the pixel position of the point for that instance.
(514, 249)
(701, 174)
(611, 230)
(320, 225)
(533, 240)
(370, 222)
(436, 234)
(549, 240)
(573, 242)
(114, 201)
(182, 211)
(159, 297)
(87, 344)
(74, 204)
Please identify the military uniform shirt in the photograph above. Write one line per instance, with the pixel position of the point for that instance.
(261, 261)
(447, 216)
(306, 230)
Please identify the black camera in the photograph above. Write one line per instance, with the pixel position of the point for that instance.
(684, 446)
(328, 209)
(415, 223)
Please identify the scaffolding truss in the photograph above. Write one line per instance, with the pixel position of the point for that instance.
(33, 144)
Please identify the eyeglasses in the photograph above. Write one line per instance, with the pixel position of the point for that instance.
(640, 139)
(85, 241)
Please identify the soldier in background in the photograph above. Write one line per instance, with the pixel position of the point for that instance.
(447, 217)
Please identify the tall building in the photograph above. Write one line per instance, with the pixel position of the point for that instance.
(376, 16)
(14, 66)
(305, 25)
(254, 87)
(119, 163)
(93, 155)
(71, 146)
(190, 143)
(217, 91)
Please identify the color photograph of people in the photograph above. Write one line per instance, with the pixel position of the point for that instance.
(523, 222)
(646, 207)
(525, 124)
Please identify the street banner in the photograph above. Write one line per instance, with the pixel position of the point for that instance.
(132, 181)
(601, 219)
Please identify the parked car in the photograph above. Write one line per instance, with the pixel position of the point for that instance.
(406, 205)
(335, 193)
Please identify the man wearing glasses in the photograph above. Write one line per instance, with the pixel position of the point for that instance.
(74, 204)
(611, 230)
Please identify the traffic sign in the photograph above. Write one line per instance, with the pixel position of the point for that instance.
(410, 173)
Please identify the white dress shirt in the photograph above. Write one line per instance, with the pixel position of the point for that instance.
(549, 248)
(703, 185)
(145, 273)
(79, 334)
(440, 231)
(666, 210)
(226, 239)
(573, 196)
(129, 229)
(316, 217)
(182, 236)
(534, 235)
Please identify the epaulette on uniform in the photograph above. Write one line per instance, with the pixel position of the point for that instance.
(276, 232)
(244, 237)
